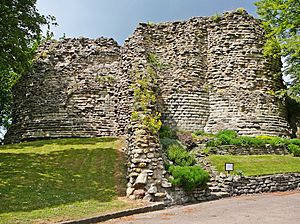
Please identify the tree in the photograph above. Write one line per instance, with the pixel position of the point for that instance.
(281, 19)
(20, 34)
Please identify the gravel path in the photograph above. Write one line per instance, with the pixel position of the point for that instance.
(283, 208)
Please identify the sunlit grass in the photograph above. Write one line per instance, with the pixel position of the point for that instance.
(60, 179)
(257, 165)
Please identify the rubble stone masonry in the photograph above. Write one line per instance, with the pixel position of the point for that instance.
(212, 75)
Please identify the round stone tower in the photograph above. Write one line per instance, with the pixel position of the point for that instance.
(241, 80)
(70, 92)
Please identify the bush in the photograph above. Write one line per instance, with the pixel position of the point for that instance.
(186, 139)
(167, 132)
(295, 149)
(166, 142)
(180, 156)
(250, 141)
(189, 177)
(277, 141)
(226, 136)
(295, 141)
(214, 143)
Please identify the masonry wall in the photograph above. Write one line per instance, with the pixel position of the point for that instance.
(71, 92)
(212, 76)
(240, 79)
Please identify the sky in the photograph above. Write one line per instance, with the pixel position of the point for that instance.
(119, 18)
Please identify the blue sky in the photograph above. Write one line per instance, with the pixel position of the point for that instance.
(118, 18)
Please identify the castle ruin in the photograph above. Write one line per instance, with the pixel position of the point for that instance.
(214, 77)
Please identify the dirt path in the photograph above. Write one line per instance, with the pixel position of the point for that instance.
(283, 208)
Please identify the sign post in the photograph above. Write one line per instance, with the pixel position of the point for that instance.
(229, 167)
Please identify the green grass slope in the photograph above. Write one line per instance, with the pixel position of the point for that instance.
(60, 179)
(257, 165)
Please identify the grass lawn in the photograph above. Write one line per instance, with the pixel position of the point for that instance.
(257, 165)
(53, 180)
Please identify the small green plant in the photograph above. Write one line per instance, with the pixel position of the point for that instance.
(166, 142)
(216, 18)
(240, 10)
(240, 173)
(144, 95)
(167, 132)
(106, 79)
(179, 156)
(150, 23)
(189, 177)
(214, 143)
(200, 132)
(295, 149)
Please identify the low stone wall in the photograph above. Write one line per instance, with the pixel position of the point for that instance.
(242, 150)
(226, 186)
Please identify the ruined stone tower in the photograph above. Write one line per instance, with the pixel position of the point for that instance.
(214, 76)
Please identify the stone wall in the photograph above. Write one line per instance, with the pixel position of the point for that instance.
(226, 186)
(239, 78)
(249, 150)
(212, 76)
(71, 92)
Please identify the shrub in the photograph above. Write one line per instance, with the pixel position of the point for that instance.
(295, 141)
(226, 136)
(189, 177)
(167, 132)
(166, 142)
(214, 143)
(250, 141)
(276, 141)
(180, 156)
(186, 139)
(295, 149)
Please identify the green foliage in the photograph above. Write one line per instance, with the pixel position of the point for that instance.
(167, 132)
(240, 173)
(179, 156)
(240, 10)
(153, 60)
(144, 93)
(150, 24)
(199, 133)
(106, 79)
(183, 170)
(189, 177)
(20, 28)
(295, 141)
(295, 149)
(166, 142)
(216, 18)
(226, 135)
(229, 137)
(281, 21)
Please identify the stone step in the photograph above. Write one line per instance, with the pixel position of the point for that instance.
(220, 194)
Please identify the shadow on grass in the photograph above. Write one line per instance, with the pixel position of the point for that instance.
(63, 141)
(31, 181)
